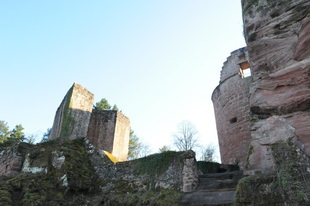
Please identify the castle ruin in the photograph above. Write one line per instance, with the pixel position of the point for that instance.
(273, 105)
(73, 115)
(108, 130)
(231, 106)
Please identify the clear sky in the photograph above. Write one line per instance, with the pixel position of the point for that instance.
(158, 60)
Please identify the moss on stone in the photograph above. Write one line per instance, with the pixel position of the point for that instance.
(292, 177)
(49, 189)
(68, 120)
(155, 164)
(288, 185)
(257, 190)
(83, 185)
(214, 167)
(118, 195)
(249, 153)
(81, 175)
(248, 4)
(208, 167)
(5, 198)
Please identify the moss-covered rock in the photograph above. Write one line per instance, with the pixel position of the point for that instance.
(5, 198)
(214, 167)
(69, 178)
(289, 185)
(74, 177)
(155, 164)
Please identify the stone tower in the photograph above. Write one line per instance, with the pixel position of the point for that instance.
(231, 107)
(109, 130)
(73, 115)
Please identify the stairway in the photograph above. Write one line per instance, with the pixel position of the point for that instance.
(214, 189)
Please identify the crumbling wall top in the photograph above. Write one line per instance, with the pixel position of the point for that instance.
(236, 63)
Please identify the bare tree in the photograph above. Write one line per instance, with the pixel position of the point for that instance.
(208, 153)
(145, 150)
(186, 136)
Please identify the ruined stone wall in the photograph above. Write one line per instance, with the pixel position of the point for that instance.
(73, 115)
(168, 170)
(109, 130)
(231, 108)
(121, 137)
(278, 40)
(101, 129)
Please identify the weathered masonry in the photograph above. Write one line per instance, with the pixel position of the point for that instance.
(232, 109)
(73, 115)
(107, 130)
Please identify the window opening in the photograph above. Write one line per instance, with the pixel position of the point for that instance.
(245, 70)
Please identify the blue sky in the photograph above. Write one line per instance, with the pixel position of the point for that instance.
(158, 60)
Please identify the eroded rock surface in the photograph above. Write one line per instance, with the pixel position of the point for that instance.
(277, 36)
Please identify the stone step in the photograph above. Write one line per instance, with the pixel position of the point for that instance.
(219, 180)
(207, 183)
(223, 197)
(224, 175)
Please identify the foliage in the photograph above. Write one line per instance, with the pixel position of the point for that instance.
(17, 133)
(4, 131)
(186, 136)
(46, 135)
(136, 147)
(115, 107)
(104, 105)
(165, 148)
(30, 139)
(288, 185)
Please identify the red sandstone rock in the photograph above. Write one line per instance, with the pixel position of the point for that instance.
(10, 161)
(277, 35)
(275, 105)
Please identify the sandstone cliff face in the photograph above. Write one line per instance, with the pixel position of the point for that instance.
(278, 40)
